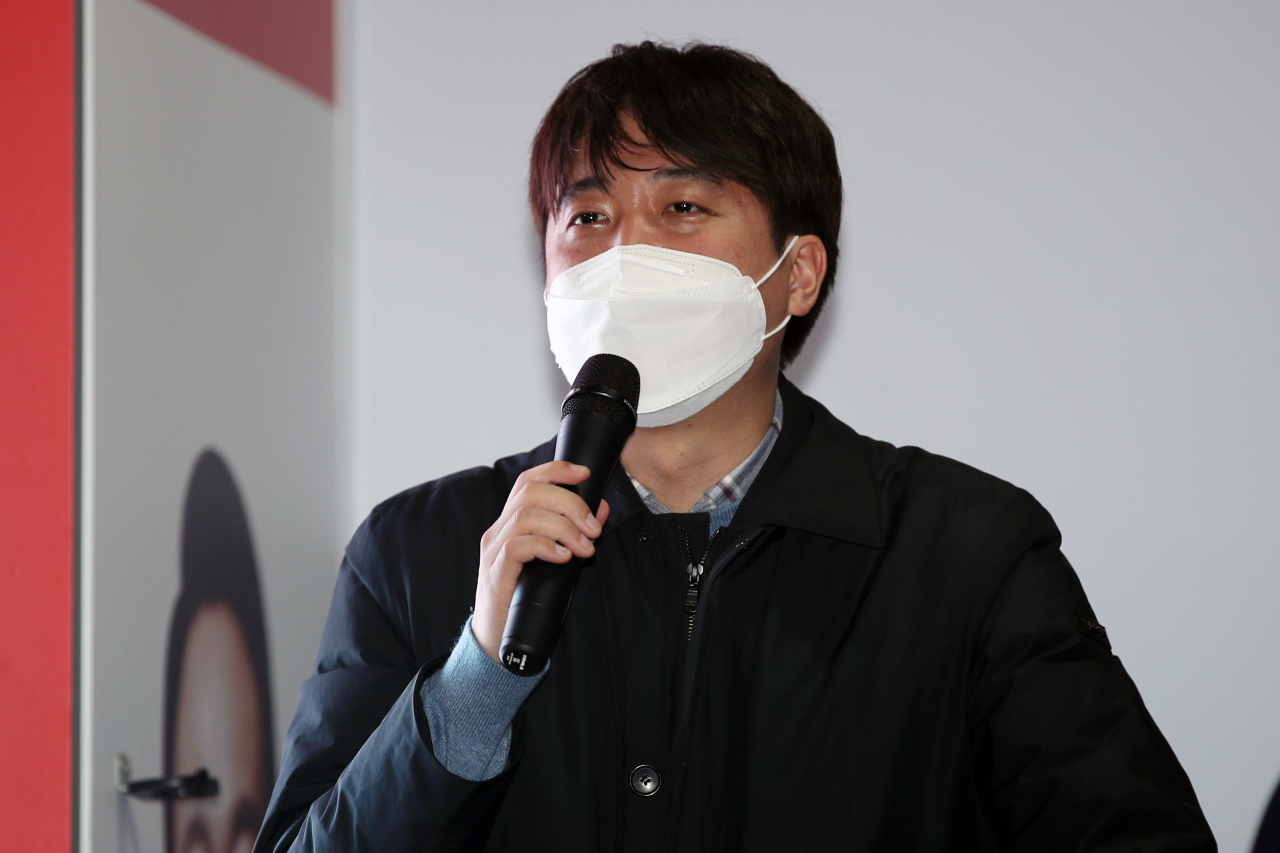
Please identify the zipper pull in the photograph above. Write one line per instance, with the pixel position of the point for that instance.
(694, 571)
(691, 600)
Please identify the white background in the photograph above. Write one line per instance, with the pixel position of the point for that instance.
(1061, 264)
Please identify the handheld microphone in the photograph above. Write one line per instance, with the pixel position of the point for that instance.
(597, 418)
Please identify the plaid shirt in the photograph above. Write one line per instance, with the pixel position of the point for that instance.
(733, 486)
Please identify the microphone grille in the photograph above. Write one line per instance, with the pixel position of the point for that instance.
(613, 372)
(611, 409)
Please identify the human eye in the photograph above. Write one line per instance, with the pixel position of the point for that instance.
(686, 207)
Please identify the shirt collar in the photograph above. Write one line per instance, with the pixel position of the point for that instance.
(819, 477)
(733, 486)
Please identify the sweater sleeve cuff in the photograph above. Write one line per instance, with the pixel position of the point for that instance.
(470, 703)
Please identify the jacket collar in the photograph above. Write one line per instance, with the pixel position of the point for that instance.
(818, 479)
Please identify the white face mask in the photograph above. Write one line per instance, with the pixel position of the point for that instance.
(691, 324)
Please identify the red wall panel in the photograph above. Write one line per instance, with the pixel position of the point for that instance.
(37, 417)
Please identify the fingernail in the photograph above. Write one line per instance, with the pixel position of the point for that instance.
(592, 524)
(561, 550)
(586, 543)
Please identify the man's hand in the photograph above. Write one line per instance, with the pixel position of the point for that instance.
(540, 521)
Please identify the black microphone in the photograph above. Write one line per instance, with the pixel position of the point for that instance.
(597, 418)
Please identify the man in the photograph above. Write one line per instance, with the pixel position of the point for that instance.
(786, 636)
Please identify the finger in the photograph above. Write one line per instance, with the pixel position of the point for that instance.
(554, 499)
(537, 521)
(521, 549)
(557, 472)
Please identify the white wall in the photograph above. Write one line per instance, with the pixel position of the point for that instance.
(1060, 265)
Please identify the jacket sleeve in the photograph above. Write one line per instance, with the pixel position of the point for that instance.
(1066, 754)
(358, 771)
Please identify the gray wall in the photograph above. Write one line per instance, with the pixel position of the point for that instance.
(1061, 266)
(212, 318)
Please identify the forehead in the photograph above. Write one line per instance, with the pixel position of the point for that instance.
(644, 166)
(628, 157)
(584, 179)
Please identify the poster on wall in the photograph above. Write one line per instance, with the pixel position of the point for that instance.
(210, 505)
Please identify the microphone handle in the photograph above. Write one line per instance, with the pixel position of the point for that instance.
(544, 590)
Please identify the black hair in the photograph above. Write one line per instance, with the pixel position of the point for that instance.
(711, 107)
(1268, 838)
(217, 569)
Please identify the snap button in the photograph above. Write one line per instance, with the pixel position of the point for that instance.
(646, 780)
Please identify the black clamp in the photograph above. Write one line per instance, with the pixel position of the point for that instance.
(198, 784)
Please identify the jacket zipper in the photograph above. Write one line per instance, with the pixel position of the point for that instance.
(694, 572)
(689, 677)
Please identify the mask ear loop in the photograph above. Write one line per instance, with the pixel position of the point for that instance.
(765, 277)
(773, 269)
(778, 328)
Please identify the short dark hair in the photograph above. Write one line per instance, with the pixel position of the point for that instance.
(218, 568)
(712, 107)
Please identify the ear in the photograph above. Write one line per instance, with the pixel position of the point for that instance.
(807, 273)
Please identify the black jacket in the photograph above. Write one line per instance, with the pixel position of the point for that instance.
(890, 654)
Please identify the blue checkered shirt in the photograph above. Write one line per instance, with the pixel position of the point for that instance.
(722, 499)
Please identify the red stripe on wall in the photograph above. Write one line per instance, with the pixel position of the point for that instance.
(293, 37)
(37, 411)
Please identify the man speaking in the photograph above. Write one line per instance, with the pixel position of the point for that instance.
(784, 636)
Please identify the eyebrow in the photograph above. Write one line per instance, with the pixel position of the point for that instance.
(577, 188)
(685, 173)
(594, 183)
